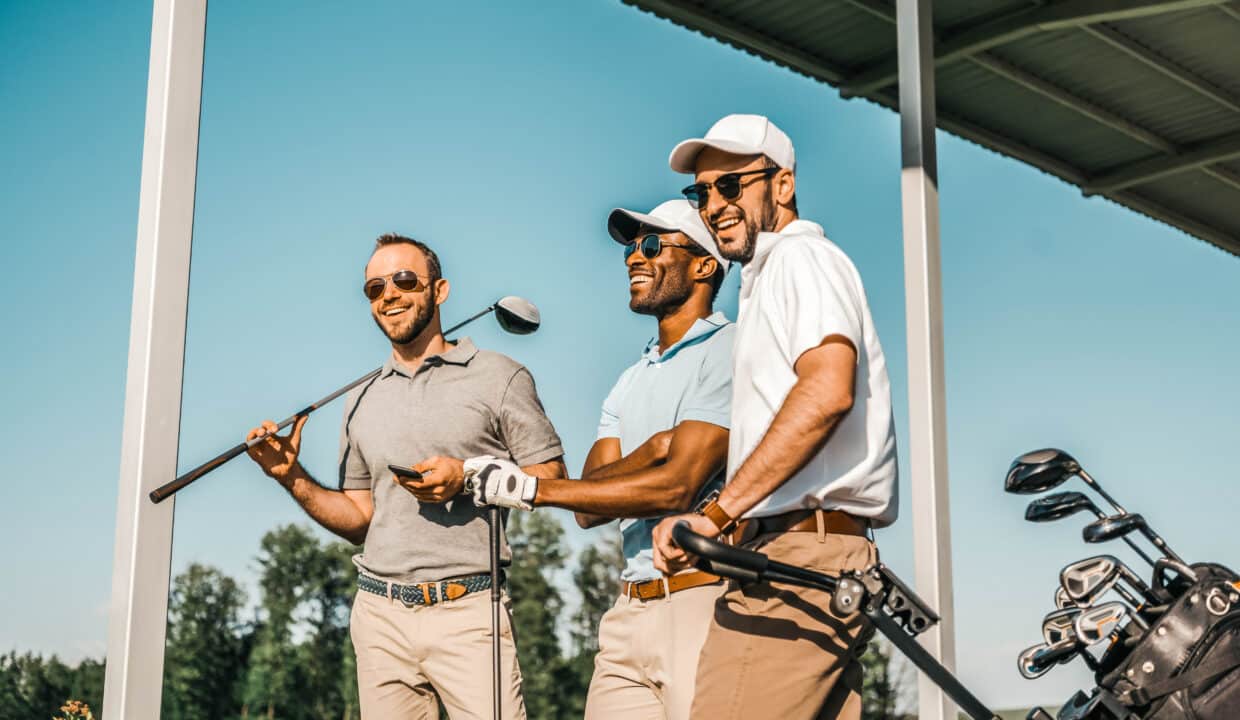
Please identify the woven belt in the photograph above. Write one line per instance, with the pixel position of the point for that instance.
(427, 593)
(835, 522)
(664, 586)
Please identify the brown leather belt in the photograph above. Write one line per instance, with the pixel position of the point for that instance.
(835, 522)
(661, 587)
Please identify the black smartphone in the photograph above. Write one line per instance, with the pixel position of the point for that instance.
(407, 473)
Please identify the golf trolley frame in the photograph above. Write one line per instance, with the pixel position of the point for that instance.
(893, 608)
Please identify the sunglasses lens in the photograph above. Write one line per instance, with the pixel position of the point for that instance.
(406, 281)
(629, 249)
(374, 288)
(651, 246)
(695, 194)
(729, 186)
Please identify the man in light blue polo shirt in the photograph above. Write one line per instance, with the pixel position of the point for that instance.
(662, 445)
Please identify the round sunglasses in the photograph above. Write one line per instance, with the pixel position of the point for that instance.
(651, 245)
(729, 186)
(404, 280)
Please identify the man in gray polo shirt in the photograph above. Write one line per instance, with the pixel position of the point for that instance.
(420, 625)
(662, 443)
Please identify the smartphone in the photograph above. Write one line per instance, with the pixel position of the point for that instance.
(404, 472)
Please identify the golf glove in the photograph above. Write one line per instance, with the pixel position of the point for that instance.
(499, 482)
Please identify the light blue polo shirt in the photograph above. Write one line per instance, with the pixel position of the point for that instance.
(691, 380)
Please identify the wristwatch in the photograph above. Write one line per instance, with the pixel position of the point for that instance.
(710, 509)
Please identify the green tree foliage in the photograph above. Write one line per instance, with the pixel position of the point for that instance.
(32, 687)
(597, 580)
(537, 553)
(204, 653)
(885, 686)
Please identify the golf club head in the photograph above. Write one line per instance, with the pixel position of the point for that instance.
(517, 315)
(1028, 667)
(1058, 505)
(1039, 471)
(1058, 625)
(1097, 623)
(1111, 527)
(1085, 580)
(1062, 601)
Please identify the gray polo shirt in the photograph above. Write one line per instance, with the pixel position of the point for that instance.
(463, 403)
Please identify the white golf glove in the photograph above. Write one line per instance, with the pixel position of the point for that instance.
(499, 482)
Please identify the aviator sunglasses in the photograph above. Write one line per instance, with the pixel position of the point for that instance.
(651, 245)
(729, 186)
(404, 280)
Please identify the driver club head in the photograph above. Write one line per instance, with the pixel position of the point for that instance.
(1097, 623)
(517, 315)
(1085, 580)
(1111, 527)
(1059, 505)
(1039, 471)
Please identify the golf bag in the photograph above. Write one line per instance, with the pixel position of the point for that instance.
(1187, 665)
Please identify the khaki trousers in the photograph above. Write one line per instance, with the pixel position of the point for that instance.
(409, 659)
(648, 654)
(776, 651)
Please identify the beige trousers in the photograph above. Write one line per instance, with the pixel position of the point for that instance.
(776, 651)
(409, 659)
(648, 654)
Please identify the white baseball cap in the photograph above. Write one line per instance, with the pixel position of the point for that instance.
(672, 216)
(737, 135)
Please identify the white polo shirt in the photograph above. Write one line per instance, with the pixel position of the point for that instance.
(798, 289)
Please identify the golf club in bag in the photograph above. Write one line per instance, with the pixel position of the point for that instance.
(515, 315)
(892, 607)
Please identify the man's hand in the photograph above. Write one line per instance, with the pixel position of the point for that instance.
(500, 483)
(669, 558)
(443, 478)
(277, 454)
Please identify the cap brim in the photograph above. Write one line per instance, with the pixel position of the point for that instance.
(623, 224)
(684, 156)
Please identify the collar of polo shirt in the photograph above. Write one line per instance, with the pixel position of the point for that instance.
(700, 328)
(461, 352)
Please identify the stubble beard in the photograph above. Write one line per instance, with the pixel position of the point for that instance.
(669, 295)
(408, 334)
(753, 226)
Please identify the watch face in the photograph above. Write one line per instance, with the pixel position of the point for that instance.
(711, 497)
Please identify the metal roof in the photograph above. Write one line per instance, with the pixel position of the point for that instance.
(1137, 101)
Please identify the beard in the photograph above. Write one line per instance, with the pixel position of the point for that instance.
(743, 251)
(670, 293)
(403, 335)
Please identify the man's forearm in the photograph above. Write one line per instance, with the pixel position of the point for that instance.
(797, 433)
(329, 508)
(640, 459)
(649, 493)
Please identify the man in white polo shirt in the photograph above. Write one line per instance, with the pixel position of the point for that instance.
(662, 443)
(812, 453)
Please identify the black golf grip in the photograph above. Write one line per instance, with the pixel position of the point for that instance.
(167, 490)
(724, 560)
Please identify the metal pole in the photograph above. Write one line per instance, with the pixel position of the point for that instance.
(497, 667)
(142, 557)
(924, 310)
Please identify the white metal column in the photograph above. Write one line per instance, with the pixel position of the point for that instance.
(923, 298)
(142, 556)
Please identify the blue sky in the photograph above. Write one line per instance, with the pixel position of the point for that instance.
(502, 134)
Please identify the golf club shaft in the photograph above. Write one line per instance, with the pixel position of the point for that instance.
(167, 490)
(1149, 533)
(497, 667)
(1090, 481)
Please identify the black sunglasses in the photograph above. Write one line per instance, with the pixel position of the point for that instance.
(652, 244)
(728, 185)
(404, 280)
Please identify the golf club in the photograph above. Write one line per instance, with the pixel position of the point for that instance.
(496, 520)
(1042, 470)
(1062, 601)
(1109, 528)
(1086, 580)
(1096, 624)
(1034, 662)
(515, 315)
(1059, 626)
(1060, 505)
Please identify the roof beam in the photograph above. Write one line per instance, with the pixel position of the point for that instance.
(1161, 166)
(1219, 238)
(972, 40)
(1230, 11)
(695, 16)
(1132, 48)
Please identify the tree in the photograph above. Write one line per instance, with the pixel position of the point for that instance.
(596, 578)
(331, 585)
(537, 552)
(885, 682)
(275, 676)
(203, 660)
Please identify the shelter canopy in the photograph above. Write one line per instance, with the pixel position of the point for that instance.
(1137, 101)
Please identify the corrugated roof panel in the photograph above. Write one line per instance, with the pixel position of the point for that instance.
(1198, 195)
(1001, 105)
(1090, 69)
(1206, 42)
(953, 15)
